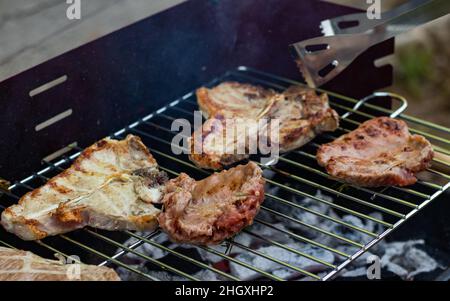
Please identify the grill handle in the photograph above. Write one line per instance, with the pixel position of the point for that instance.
(394, 114)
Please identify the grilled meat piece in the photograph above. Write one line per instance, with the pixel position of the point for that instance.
(219, 142)
(16, 265)
(229, 106)
(207, 212)
(380, 152)
(110, 186)
(301, 112)
(303, 115)
(232, 99)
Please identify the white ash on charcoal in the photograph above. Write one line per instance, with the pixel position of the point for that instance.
(211, 257)
(359, 266)
(282, 255)
(361, 260)
(404, 259)
(264, 231)
(298, 213)
(137, 262)
(127, 275)
(246, 240)
(147, 249)
(351, 234)
(323, 223)
(208, 275)
(352, 272)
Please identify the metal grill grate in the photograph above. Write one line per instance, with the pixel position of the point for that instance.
(296, 175)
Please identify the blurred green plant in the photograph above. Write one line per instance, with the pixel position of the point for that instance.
(415, 67)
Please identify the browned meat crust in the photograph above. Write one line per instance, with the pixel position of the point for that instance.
(207, 212)
(212, 138)
(232, 99)
(380, 152)
(302, 114)
(111, 186)
(16, 265)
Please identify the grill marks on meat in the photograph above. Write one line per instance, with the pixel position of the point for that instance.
(110, 186)
(302, 114)
(219, 142)
(209, 211)
(229, 106)
(380, 152)
(16, 265)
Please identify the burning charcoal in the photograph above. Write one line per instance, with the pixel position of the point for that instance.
(270, 233)
(165, 276)
(267, 232)
(310, 218)
(280, 254)
(352, 272)
(283, 273)
(210, 257)
(302, 215)
(145, 249)
(401, 258)
(358, 262)
(244, 239)
(350, 233)
(267, 216)
(248, 240)
(406, 260)
(373, 226)
(353, 234)
(359, 266)
(208, 275)
(148, 250)
(127, 275)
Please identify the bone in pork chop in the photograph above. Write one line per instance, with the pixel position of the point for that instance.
(112, 185)
(380, 152)
(301, 112)
(16, 265)
(207, 212)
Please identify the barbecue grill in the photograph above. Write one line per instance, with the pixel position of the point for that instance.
(296, 175)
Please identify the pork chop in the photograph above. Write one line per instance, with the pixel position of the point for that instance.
(302, 114)
(16, 265)
(222, 141)
(112, 185)
(380, 152)
(233, 99)
(207, 212)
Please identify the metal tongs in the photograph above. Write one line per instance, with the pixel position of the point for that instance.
(321, 59)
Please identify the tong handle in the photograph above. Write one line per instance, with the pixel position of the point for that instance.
(419, 15)
(362, 23)
(337, 52)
